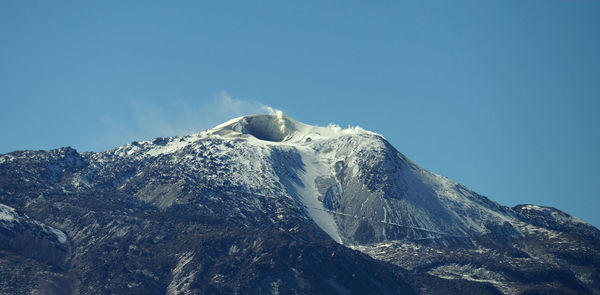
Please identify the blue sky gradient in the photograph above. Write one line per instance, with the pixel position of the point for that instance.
(502, 96)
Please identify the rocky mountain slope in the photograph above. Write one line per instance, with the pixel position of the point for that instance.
(265, 204)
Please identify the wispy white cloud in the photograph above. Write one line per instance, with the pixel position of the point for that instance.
(146, 120)
(272, 111)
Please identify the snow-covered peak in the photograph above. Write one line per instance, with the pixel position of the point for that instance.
(351, 182)
(261, 130)
(280, 128)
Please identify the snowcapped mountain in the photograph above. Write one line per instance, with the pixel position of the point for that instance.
(266, 204)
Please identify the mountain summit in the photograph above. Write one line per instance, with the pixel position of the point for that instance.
(279, 128)
(266, 204)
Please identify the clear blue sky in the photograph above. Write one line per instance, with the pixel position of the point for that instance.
(502, 96)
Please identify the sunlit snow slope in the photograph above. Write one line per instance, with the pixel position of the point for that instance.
(351, 182)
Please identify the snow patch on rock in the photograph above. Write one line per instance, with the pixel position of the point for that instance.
(308, 193)
(9, 216)
(7, 213)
